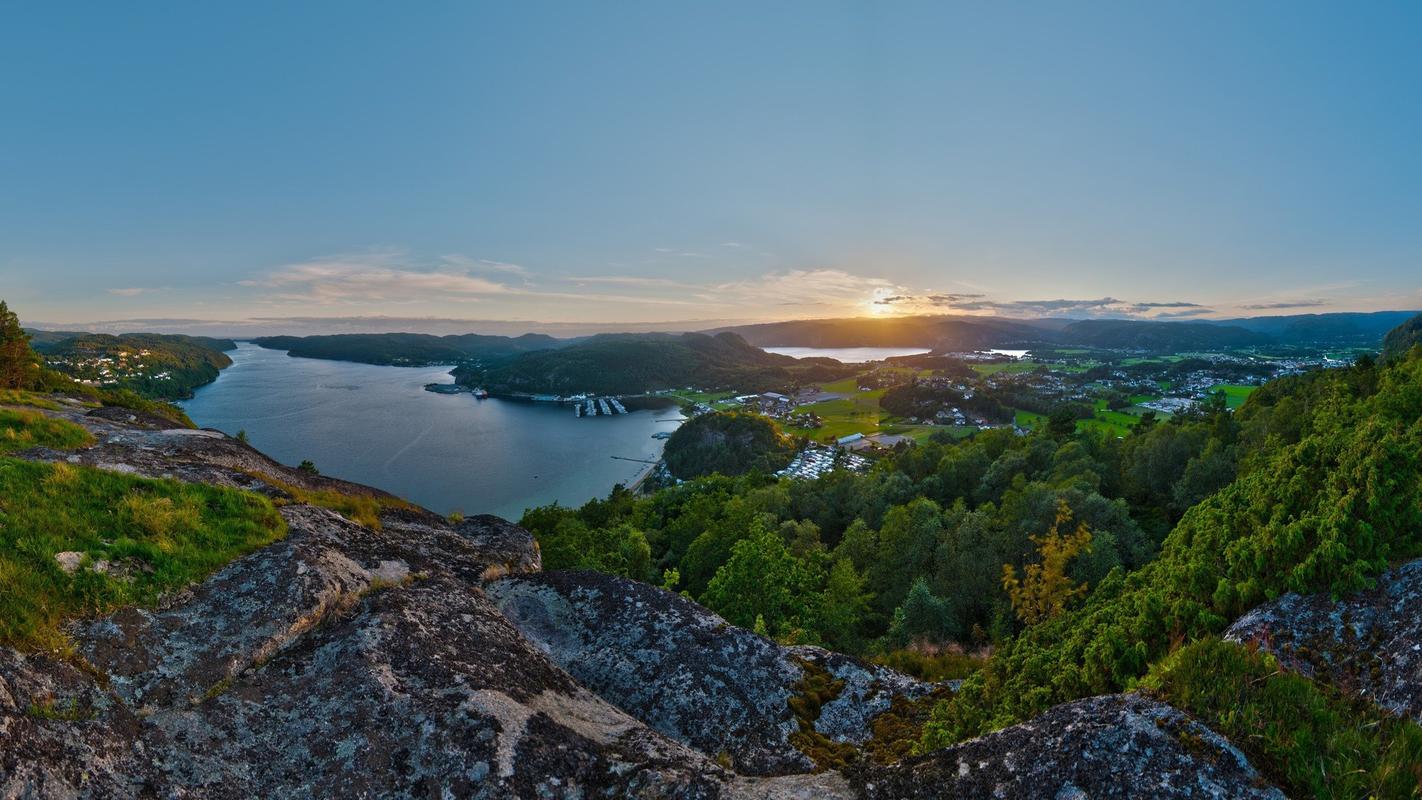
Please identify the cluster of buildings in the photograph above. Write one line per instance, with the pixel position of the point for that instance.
(775, 404)
(815, 461)
(107, 370)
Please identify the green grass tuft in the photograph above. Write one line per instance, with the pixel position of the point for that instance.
(20, 397)
(359, 508)
(21, 429)
(1308, 738)
(158, 535)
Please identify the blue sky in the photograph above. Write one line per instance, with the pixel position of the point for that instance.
(627, 163)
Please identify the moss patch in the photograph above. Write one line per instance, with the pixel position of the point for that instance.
(71, 711)
(897, 731)
(817, 688)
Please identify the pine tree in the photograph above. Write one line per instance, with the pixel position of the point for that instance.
(18, 364)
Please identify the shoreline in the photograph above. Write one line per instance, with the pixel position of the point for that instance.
(635, 486)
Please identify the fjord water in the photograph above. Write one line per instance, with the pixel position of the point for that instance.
(378, 426)
(849, 355)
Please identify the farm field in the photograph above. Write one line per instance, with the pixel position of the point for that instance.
(1028, 419)
(1235, 394)
(854, 412)
(1113, 423)
(859, 412)
(1009, 367)
(718, 400)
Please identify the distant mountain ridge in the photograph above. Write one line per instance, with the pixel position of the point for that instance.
(960, 332)
(1359, 327)
(410, 349)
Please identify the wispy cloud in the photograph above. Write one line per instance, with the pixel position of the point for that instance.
(133, 291)
(1102, 306)
(1184, 314)
(929, 299)
(636, 280)
(372, 278)
(1285, 304)
(484, 265)
(672, 251)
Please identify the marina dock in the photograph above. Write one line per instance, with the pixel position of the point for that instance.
(598, 406)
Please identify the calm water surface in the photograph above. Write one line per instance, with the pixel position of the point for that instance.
(378, 426)
(849, 355)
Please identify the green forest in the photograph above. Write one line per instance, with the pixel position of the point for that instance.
(1073, 563)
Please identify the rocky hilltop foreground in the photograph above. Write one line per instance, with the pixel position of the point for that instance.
(413, 656)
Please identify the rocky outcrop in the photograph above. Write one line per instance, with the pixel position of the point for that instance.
(1115, 746)
(430, 659)
(690, 675)
(1369, 644)
(338, 662)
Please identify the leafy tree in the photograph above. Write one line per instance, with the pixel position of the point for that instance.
(1044, 590)
(762, 578)
(908, 542)
(843, 606)
(620, 550)
(1061, 422)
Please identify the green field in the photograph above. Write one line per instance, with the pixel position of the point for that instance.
(1137, 361)
(859, 412)
(920, 433)
(855, 412)
(717, 400)
(1235, 394)
(1028, 419)
(1009, 367)
(1113, 423)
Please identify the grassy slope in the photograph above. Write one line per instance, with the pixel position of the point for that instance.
(1311, 739)
(164, 534)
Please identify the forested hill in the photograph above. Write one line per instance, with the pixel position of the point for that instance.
(949, 333)
(727, 443)
(156, 366)
(410, 349)
(1128, 334)
(635, 363)
(946, 333)
(1400, 340)
(1084, 565)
